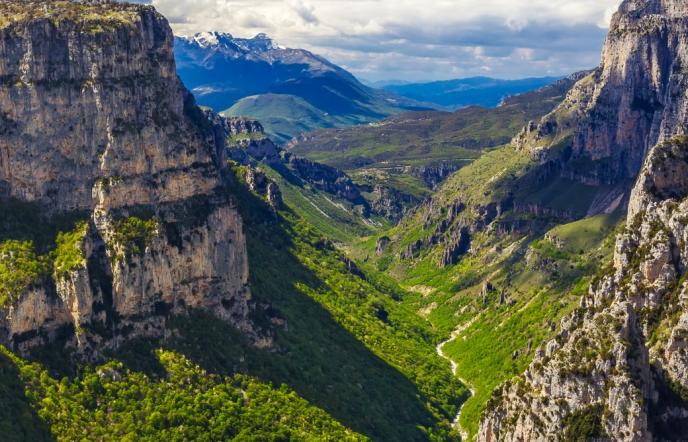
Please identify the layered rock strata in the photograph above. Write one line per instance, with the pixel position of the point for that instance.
(96, 125)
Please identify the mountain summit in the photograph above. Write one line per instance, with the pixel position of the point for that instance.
(216, 46)
(290, 90)
(222, 40)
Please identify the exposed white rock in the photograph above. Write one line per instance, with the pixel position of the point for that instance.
(621, 359)
(99, 124)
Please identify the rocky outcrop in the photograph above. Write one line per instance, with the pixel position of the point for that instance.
(412, 250)
(245, 143)
(620, 361)
(97, 125)
(382, 244)
(261, 185)
(325, 178)
(617, 368)
(433, 175)
(390, 203)
(244, 140)
(458, 245)
(636, 98)
(274, 196)
(236, 126)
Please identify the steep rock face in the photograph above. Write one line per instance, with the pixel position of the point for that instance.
(326, 178)
(96, 124)
(602, 132)
(620, 361)
(79, 104)
(618, 367)
(390, 203)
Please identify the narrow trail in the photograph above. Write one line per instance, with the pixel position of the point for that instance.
(440, 351)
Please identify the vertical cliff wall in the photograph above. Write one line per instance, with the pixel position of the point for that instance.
(617, 369)
(96, 126)
(636, 98)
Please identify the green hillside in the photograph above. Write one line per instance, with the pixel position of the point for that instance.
(351, 361)
(284, 116)
(425, 138)
(112, 402)
(523, 273)
(335, 218)
(287, 116)
(410, 153)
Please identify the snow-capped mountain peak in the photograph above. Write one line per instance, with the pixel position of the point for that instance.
(258, 44)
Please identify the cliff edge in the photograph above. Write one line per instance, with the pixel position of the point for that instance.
(98, 133)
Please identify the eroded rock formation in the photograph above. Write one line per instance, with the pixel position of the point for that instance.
(618, 366)
(611, 118)
(96, 125)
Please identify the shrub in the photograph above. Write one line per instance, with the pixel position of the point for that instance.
(68, 254)
(20, 268)
(585, 424)
(134, 235)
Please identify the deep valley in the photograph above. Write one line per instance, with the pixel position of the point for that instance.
(216, 238)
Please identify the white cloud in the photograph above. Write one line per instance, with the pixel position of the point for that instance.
(414, 39)
(305, 11)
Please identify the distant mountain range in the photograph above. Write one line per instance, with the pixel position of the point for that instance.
(456, 94)
(290, 90)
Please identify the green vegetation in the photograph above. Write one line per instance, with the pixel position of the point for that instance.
(238, 138)
(490, 179)
(506, 297)
(19, 421)
(354, 348)
(564, 196)
(585, 424)
(113, 403)
(534, 284)
(20, 268)
(30, 257)
(424, 138)
(68, 254)
(351, 359)
(286, 116)
(334, 217)
(133, 235)
(535, 278)
(26, 221)
(587, 233)
(380, 153)
(93, 17)
(354, 351)
(404, 183)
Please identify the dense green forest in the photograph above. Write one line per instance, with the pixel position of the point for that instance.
(351, 360)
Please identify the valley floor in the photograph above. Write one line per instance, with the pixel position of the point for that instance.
(455, 367)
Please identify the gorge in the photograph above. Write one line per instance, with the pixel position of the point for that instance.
(515, 273)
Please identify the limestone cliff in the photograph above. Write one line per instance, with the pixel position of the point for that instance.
(604, 129)
(96, 125)
(617, 368)
(620, 361)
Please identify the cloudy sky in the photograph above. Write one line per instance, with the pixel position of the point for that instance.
(417, 40)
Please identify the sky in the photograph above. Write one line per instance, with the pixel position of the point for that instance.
(416, 40)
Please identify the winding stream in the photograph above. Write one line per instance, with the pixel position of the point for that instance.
(455, 367)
